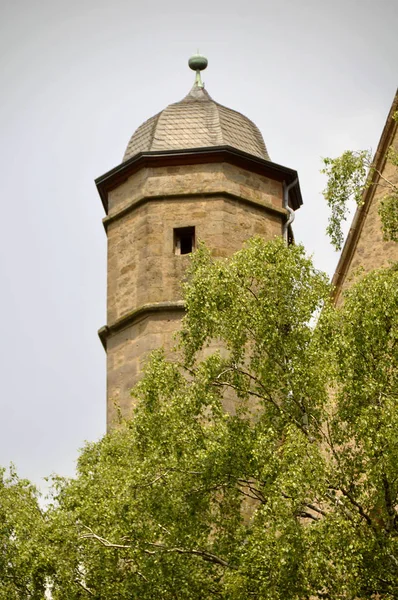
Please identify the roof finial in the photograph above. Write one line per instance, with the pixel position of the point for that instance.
(198, 63)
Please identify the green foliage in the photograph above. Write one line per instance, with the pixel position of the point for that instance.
(388, 209)
(346, 180)
(23, 564)
(348, 176)
(362, 427)
(291, 493)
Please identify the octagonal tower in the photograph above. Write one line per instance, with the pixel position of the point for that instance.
(195, 171)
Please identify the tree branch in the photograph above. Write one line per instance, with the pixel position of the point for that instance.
(160, 548)
(307, 515)
(103, 541)
(150, 483)
(86, 589)
(361, 511)
(207, 556)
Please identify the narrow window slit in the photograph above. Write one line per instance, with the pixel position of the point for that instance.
(184, 240)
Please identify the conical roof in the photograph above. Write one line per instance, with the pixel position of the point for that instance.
(197, 121)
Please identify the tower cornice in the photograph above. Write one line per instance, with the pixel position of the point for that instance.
(131, 317)
(218, 154)
(280, 212)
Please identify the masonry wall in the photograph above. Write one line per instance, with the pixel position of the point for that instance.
(126, 353)
(226, 205)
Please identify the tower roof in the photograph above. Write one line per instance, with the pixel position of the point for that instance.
(198, 130)
(197, 121)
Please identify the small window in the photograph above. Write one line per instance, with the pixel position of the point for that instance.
(184, 240)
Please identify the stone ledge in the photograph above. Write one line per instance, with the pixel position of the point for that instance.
(105, 332)
(281, 212)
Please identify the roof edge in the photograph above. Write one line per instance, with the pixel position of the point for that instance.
(113, 178)
(361, 212)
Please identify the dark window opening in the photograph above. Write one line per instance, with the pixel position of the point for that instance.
(184, 240)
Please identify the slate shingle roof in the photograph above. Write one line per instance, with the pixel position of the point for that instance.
(197, 122)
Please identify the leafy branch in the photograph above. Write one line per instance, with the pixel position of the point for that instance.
(348, 176)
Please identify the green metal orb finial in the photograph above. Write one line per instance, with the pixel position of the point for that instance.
(198, 63)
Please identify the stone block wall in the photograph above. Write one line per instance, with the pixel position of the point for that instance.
(126, 354)
(226, 204)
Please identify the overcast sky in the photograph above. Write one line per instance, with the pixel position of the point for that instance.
(77, 78)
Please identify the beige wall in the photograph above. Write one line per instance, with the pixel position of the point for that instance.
(202, 178)
(142, 267)
(126, 354)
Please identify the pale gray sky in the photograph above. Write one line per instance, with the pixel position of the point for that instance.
(77, 78)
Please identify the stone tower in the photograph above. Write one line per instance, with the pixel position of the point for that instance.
(195, 171)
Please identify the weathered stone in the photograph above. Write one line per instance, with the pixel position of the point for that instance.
(226, 204)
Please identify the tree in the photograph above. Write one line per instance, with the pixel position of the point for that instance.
(348, 176)
(293, 494)
(23, 566)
